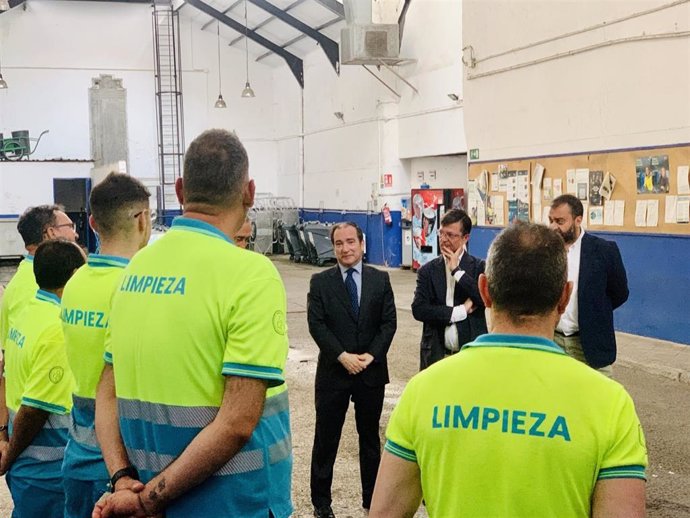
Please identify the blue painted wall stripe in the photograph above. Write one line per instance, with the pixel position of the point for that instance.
(658, 277)
(384, 242)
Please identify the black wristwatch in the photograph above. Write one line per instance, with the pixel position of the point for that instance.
(129, 471)
(455, 270)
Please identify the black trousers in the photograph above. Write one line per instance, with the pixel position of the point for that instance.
(331, 407)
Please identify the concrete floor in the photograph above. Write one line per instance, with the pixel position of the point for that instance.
(662, 403)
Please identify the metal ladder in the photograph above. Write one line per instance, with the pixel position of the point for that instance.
(169, 108)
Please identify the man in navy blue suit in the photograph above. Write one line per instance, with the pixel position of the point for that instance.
(600, 285)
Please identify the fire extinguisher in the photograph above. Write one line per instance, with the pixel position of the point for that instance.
(387, 214)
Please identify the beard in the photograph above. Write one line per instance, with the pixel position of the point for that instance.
(568, 235)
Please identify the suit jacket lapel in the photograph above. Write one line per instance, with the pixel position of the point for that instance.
(439, 279)
(366, 291)
(341, 293)
(467, 265)
(583, 274)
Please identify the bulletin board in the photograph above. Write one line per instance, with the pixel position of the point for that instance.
(649, 182)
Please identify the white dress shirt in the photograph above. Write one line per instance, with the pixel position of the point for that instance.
(569, 325)
(459, 312)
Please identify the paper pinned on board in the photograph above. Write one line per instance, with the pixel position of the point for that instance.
(548, 189)
(609, 211)
(619, 213)
(557, 187)
(497, 214)
(683, 209)
(545, 215)
(570, 185)
(522, 185)
(494, 182)
(652, 213)
(607, 186)
(641, 213)
(683, 185)
(670, 209)
(537, 179)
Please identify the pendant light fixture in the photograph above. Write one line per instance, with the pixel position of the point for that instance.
(247, 92)
(220, 102)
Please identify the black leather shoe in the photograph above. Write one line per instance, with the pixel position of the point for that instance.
(324, 512)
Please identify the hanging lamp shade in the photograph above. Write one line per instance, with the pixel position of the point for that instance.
(220, 102)
(247, 92)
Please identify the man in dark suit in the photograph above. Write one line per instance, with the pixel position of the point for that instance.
(351, 315)
(447, 299)
(600, 285)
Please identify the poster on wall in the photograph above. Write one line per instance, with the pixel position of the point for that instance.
(596, 215)
(596, 178)
(494, 210)
(518, 211)
(651, 173)
(425, 212)
(582, 183)
(522, 186)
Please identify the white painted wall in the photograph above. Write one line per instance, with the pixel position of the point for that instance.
(620, 96)
(345, 160)
(449, 171)
(51, 50)
(297, 147)
(25, 184)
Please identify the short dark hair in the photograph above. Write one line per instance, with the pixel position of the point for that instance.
(215, 166)
(113, 200)
(526, 269)
(55, 261)
(576, 208)
(34, 222)
(344, 224)
(457, 215)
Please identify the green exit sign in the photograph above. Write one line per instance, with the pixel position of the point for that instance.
(474, 154)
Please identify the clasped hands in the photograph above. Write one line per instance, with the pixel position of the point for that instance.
(125, 501)
(355, 363)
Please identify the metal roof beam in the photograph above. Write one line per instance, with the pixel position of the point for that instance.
(226, 11)
(329, 46)
(401, 19)
(292, 61)
(268, 20)
(333, 6)
(300, 37)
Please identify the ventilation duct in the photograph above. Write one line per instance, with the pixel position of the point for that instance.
(370, 38)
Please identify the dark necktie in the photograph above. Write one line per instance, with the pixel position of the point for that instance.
(352, 290)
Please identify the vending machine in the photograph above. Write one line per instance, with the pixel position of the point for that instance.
(428, 207)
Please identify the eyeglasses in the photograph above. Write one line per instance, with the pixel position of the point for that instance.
(71, 225)
(449, 235)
